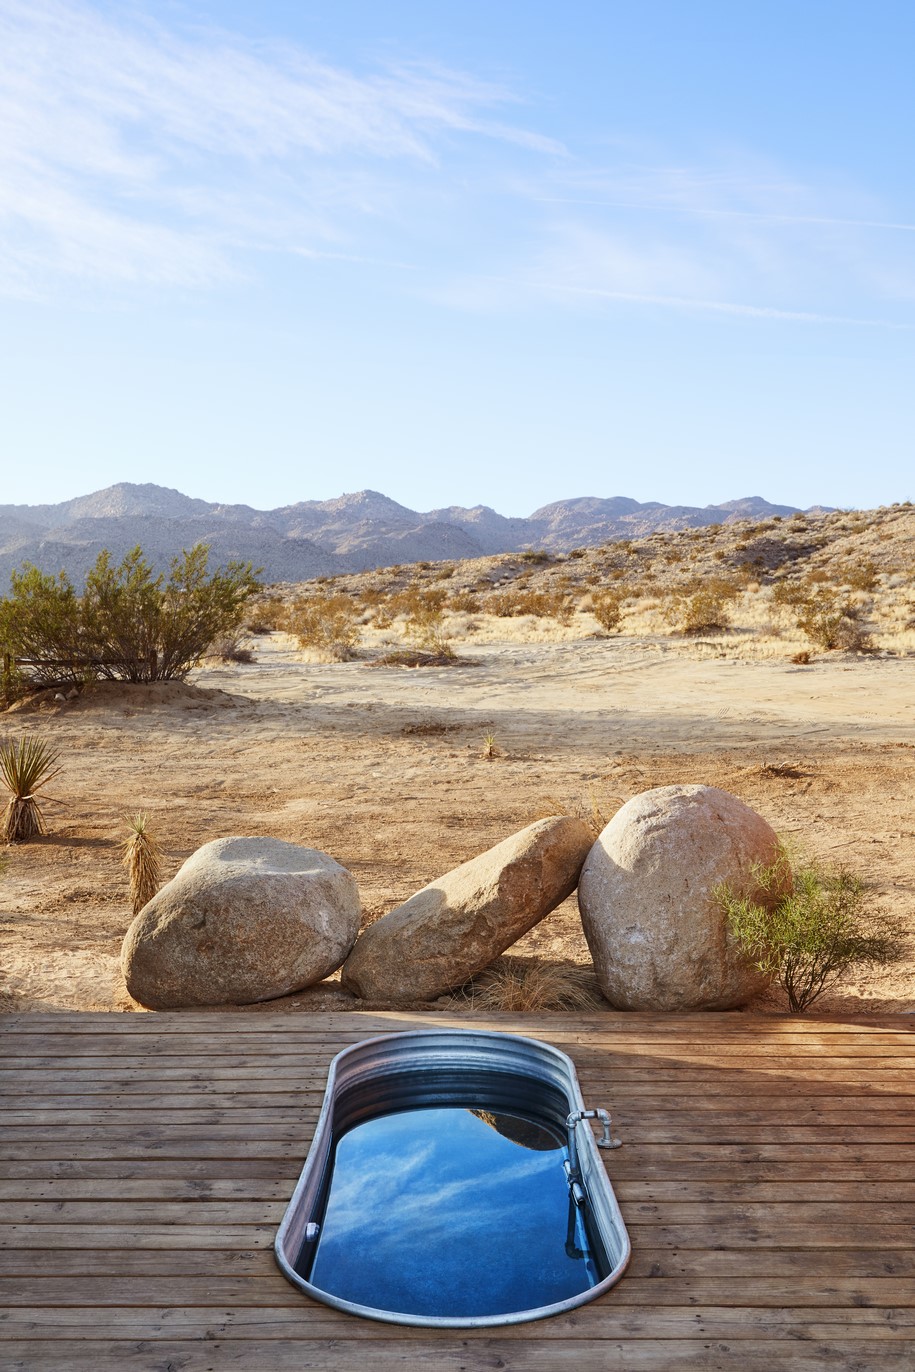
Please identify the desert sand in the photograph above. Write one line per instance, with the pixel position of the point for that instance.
(384, 768)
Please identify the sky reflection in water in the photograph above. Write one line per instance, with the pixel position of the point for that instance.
(436, 1212)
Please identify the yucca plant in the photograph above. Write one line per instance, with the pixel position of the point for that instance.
(26, 767)
(143, 860)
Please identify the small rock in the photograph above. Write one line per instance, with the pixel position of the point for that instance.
(244, 920)
(456, 925)
(658, 938)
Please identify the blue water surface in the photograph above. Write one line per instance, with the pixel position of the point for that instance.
(445, 1212)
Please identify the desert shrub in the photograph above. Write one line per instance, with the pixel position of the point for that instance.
(26, 767)
(578, 552)
(465, 601)
(790, 593)
(607, 608)
(127, 625)
(230, 648)
(831, 622)
(703, 608)
(537, 556)
(42, 621)
(13, 683)
(327, 623)
(861, 576)
(267, 613)
(810, 937)
(423, 608)
(543, 604)
(143, 860)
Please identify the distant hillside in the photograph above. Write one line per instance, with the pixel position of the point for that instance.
(352, 533)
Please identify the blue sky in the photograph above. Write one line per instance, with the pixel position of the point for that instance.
(460, 252)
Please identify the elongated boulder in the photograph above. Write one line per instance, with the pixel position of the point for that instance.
(244, 920)
(658, 937)
(456, 925)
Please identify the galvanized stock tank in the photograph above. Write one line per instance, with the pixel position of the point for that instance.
(453, 1181)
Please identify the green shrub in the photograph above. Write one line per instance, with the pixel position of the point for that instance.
(127, 625)
(810, 937)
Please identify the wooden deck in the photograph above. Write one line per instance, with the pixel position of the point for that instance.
(767, 1181)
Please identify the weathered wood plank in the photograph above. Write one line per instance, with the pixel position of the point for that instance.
(212, 1297)
(171, 1138)
(606, 1319)
(362, 1023)
(768, 1182)
(191, 1234)
(202, 1209)
(635, 1120)
(476, 1350)
(825, 1270)
(629, 1191)
(618, 1046)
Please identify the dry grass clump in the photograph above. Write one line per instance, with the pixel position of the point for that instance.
(425, 621)
(542, 604)
(596, 812)
(529, 984)
(703, 609)
(327, 623)
(143, 859)
(26, 767)
(230, 648)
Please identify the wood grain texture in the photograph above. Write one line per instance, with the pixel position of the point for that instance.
(767, 1181)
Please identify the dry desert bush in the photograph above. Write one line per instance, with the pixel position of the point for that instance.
(531, 985)
(328, 624)
(750, 589)
(142, 857)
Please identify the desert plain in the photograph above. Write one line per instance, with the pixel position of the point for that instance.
(402, 773)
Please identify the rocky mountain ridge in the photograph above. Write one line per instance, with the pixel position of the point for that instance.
(352, 533)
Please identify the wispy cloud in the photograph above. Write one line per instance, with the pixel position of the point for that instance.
(743, 239)
(131, 152)
(135, 154)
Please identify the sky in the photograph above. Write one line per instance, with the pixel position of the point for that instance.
(458, 251)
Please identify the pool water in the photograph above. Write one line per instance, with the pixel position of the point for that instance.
(452, 1211)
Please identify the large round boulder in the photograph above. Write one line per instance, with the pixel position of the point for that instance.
(658, 936)
(245, 919)
(456, 925)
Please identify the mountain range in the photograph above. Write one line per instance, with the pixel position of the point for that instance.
(312, 538)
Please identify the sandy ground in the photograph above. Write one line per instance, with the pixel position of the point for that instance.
(384, 769)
